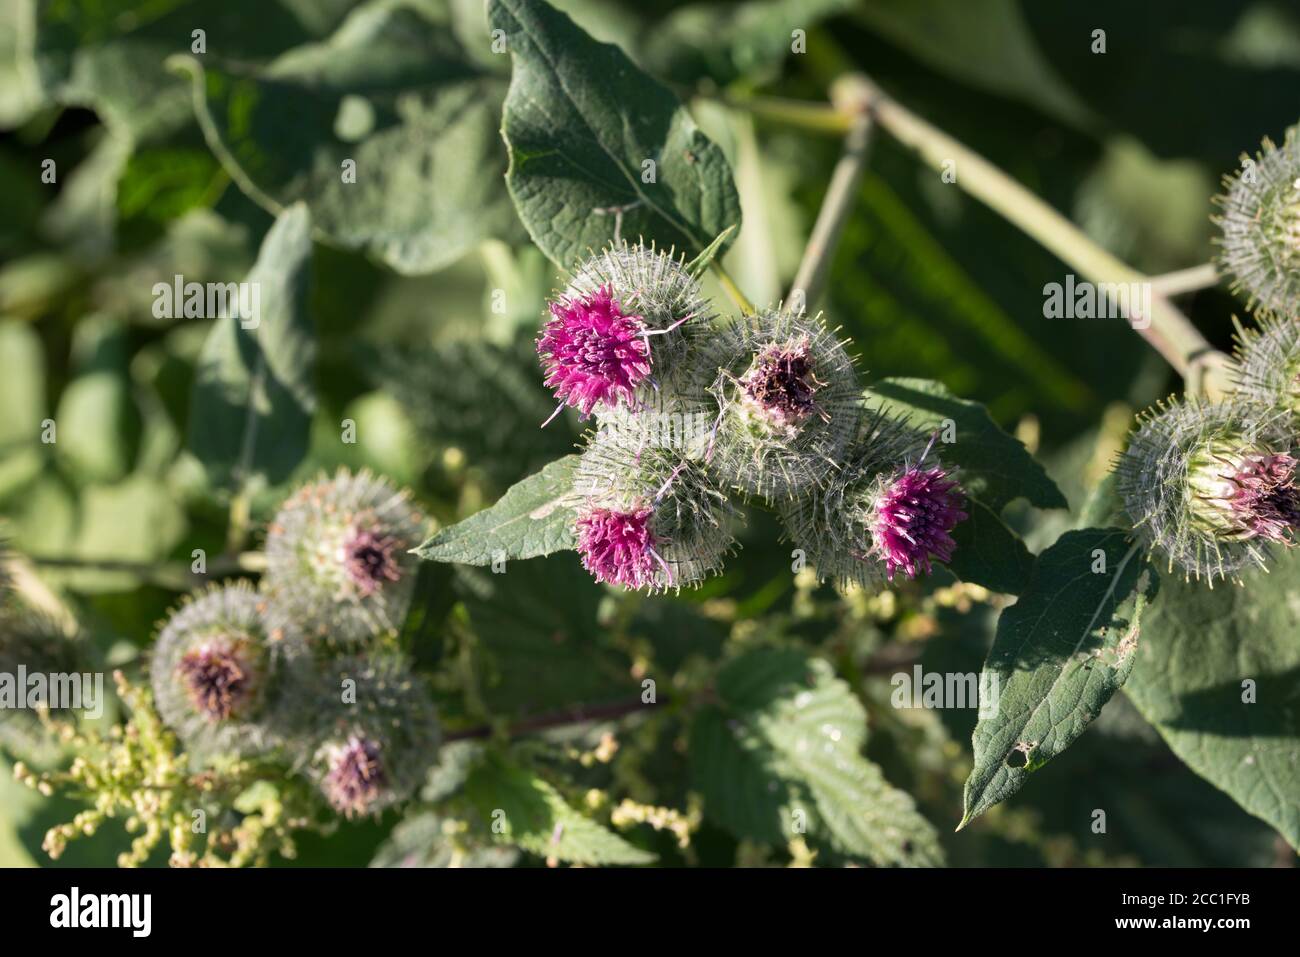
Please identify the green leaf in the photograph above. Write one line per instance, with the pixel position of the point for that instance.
(996, 468)
(1060, 653)
(582, 123)
(422, 841)
(534, 816)
(697, 266)
(254, 394)
(391, 95)
(988, 553)
(727, 41)
(780, 756)
(1199, 649)
(534, 518)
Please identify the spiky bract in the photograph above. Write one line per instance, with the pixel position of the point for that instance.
(1266, 367)
(37, 642)
(379, 734)
(649, 519)
(787, 401)
(622, 328)
(889, 509)
(220, 680)
(1261, 227)
(1210, 485)
(338, 561)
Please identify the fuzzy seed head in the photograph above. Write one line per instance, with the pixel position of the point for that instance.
(1266, 365)
(339, 567)
(1211, 486)
(219, 679)
(787, 402)
(1261, 227)
(377, 733)
(649, 519)
(891, 508)
(621, 329)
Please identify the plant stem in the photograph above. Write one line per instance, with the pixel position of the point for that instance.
(574, 714)
(732, 289)
(168, 574)
(1185, 280)
(841, 193)
(1166, 329)
(241, 508)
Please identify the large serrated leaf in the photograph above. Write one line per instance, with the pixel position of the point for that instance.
(988, 553)
(534, 518)
(995, 467)
(392, 98)
(599, 149)
(779, 756)
(1200, 648)
(254, 390)
(1060, 653)
(534, 816)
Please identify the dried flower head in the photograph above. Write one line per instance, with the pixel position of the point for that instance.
(1266, 367)
(620, 329)
(890, 509)
(1261, 227)
(787, 402)
(381, 734)
(219, 679)
(649, 519)
(338, 562)
(1211, 486)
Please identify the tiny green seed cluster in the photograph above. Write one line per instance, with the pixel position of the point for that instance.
(689, 407)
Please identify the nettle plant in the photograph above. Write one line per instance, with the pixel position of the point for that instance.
(449, 680)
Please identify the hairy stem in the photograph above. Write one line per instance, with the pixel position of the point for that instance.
(1167, 330)
(810, 280)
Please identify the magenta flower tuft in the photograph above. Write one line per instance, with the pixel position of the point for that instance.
(781, 383)
(1253, 495)
(593, 353)
(356, 781)
(618, 547)
(913, 516)
(368, 558)
(219, 678)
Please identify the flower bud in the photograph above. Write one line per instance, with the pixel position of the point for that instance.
(338, 562)
(381, 734)
(620, 329)
(890, 509)
(649, 519)
(1210, 485)
(787, 398)
(1261, 227)
(218, 677)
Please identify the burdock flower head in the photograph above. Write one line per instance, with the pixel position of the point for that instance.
(338, 562)
(890, 509)
(1266, 366)
(786, 399)
(218, 678)
(1261, 227)
(620, 328)
(1211, 486)
(382, 739)
(41, 644)
(648, 519)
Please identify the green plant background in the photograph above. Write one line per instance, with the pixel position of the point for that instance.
(446, 394)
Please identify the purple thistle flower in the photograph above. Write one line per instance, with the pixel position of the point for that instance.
(368, 558)
(218, 677)
(781, 383)
(1252, 496)
(913, 516)
(356, 780)
(593, 353)
(618, 546)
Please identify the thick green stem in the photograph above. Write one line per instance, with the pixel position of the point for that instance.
(732, 289)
